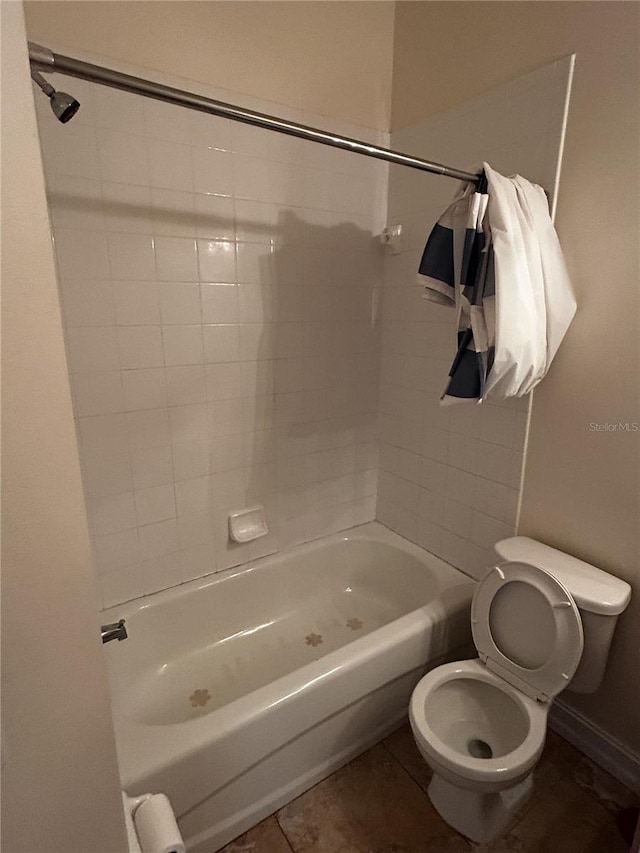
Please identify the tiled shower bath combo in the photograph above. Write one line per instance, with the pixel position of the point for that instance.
(221, 290)
(239, 338)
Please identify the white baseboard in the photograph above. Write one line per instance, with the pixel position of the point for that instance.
(617, 759)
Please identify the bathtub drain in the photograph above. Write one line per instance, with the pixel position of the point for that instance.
(479, 748)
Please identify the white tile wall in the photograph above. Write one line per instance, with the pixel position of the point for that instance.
(218, 286)
(221, 292)
(449, 478)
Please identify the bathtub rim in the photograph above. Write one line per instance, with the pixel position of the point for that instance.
(370, 531)
(152, 749)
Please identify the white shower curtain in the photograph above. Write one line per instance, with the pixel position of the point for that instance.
(534, 301)
(495, 255)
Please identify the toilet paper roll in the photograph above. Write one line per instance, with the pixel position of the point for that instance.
(156, 826)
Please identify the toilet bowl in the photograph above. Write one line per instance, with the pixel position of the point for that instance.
(473, 729)
(481, 724)
(482, 739)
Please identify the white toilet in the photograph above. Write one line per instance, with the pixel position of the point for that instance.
(540, 620)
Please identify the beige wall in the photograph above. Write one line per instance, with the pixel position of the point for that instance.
(581, 487)
(60, 788)
(332, 58)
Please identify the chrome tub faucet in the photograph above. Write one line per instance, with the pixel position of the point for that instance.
(113, 631)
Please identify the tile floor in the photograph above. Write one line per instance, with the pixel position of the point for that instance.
(378, 804)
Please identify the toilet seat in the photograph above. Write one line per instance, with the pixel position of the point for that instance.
(527, 629)
(528, 632)
(480, 724)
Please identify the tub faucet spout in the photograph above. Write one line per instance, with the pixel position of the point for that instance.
(113, 631)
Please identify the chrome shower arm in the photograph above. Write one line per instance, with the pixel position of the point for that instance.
(46, 87)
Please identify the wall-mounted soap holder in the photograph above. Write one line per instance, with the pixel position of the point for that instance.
(247, 524)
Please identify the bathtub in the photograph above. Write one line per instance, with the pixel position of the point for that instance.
(236, 692)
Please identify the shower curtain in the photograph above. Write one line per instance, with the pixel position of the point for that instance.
(495, 256)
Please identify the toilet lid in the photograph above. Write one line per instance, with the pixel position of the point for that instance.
(527, 629)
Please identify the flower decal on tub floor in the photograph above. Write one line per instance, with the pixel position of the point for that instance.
(313, 639)
(355, 624)
(199, 698)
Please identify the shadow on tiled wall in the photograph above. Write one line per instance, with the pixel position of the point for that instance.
(221, 292)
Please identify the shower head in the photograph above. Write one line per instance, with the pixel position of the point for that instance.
(64, 106)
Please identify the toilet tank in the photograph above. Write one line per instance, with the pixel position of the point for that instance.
(600, 598)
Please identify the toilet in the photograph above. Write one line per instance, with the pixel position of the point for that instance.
(541, 621)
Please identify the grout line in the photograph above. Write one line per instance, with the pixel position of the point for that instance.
(283, 833)
(406, 769)
(470, 844)
(326, 779)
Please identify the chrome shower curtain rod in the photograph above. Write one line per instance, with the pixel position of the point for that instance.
(43, 59)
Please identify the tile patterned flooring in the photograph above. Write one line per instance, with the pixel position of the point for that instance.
(378, 804)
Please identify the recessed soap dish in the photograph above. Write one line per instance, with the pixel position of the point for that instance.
(247, 524)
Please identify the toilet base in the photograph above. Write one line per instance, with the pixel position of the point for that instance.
(479, 816)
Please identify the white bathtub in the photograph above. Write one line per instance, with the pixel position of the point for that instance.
(235, 693)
